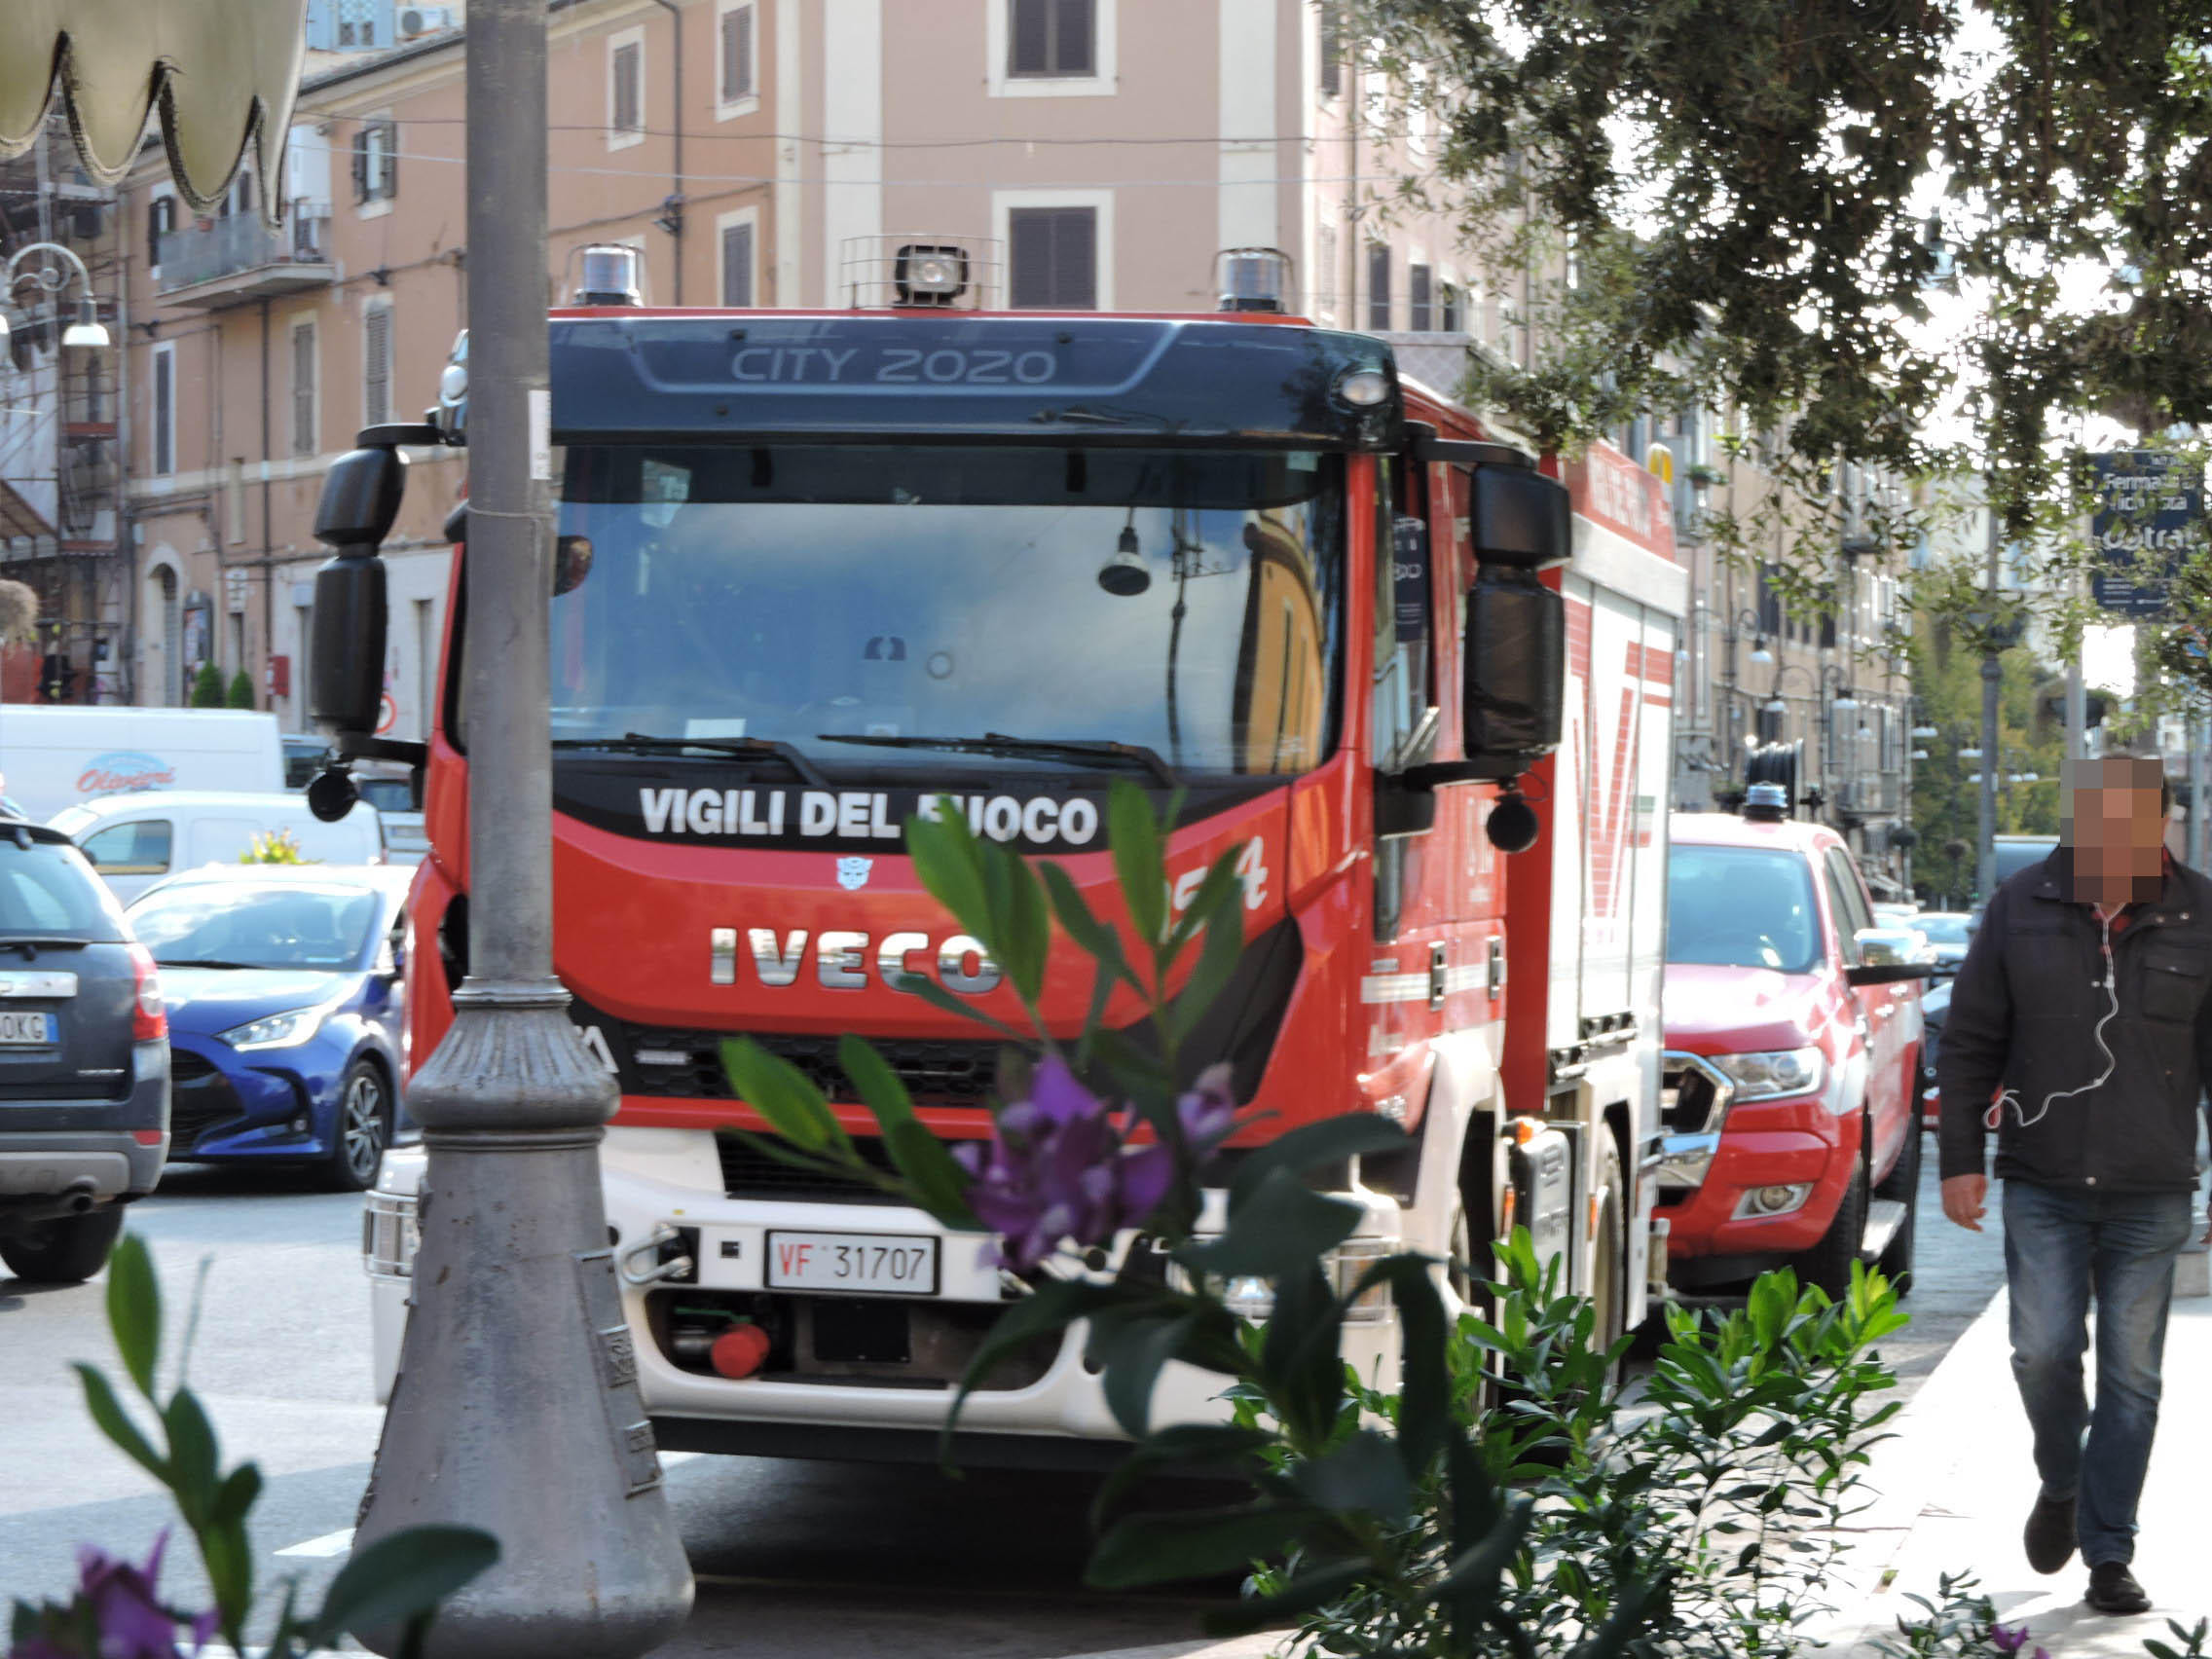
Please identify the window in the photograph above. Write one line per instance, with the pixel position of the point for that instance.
(1379, 286)
(304, 436)
(737, 255)
(1053, 254)
(1740, 908)
(161, 221)
(141, 848)
(1454, 316)
(626, 88)
(1050, 38)
(165, 410)
(376, 364)
(739, 41)
(1421, 304)
(234, 501)
(1847, 898)
(1332, 48)
(376, 162)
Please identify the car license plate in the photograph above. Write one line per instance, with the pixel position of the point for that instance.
(21, 1030)
(864, 1263)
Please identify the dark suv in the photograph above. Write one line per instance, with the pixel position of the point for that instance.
(83, 1061)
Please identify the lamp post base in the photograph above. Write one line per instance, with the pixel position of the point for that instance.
(517, 1406)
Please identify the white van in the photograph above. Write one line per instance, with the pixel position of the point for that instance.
(133, 840)
(53, 755)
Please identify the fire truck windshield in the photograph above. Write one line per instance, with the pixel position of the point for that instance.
(1188, 602)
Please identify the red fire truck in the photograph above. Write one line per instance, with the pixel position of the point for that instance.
(815, 571)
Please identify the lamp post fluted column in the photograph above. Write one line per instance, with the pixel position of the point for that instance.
(517, 1406)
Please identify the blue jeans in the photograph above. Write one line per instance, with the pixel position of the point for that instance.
(2064, 1245)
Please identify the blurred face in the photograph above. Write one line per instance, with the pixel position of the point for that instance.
(2115, 830)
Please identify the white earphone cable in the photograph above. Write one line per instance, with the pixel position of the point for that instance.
(2011, 1098)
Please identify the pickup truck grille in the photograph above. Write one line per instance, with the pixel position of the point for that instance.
(1689, 1101)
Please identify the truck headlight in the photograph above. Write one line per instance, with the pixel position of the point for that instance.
(1770, 1076)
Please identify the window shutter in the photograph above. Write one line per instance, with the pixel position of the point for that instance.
(1420, 299)
(1072, 47)
(737, 265)
(1379, 286)
(1332, 49)
(626, 88)
(1452, 317)
(1054, 258)
(375, 365)
(389, 184)
(1029, 37)
(737, 53)
(164, 413)
(303, 390)
(361, 164)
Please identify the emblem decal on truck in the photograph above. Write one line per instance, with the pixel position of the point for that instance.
(852, 874)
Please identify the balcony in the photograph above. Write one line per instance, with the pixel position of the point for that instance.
(235, 259)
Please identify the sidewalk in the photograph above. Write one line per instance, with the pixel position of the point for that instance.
(1957, 1481)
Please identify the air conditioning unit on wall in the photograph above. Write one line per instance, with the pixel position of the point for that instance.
(417, 20)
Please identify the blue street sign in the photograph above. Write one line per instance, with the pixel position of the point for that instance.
(2150, 516)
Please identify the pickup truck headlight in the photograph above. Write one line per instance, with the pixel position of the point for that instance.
(1770, 1076)
(277, 1030)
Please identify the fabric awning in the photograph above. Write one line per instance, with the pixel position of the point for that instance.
(223, 75)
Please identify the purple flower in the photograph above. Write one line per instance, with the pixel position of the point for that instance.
(1058, 1170)
(125, 1611)
(2008, 1639)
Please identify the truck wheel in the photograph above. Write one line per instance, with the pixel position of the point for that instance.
(1828, 1264)
(65, 1251)
(1902, 1184)
(1608, 1291)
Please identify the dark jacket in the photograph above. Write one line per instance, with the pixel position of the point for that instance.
(2025, 1015)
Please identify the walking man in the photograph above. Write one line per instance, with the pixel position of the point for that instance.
(2081, 1031)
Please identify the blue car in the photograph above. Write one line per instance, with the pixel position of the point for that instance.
(285, 1013)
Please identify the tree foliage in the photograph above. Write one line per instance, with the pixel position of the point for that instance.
(207, 687)
(1910, 232)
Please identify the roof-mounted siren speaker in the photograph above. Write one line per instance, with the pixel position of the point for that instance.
(1766, 803)
(929, 274)
(1252, 279)
(612, 276)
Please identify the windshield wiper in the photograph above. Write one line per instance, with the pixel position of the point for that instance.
(744, 748)
(200, 962)
(999, 742)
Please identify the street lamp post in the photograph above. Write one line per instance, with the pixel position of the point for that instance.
(1741, 621)
(517, 1408)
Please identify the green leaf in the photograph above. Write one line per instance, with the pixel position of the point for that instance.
(1300, 1363)
(1165, 1549)
(948, 1001)
(1364, 1475)
(115, 1422)
(1310, 1146)
(1138, 861)
(1473, 1570)
(1183, 1446)
(948, 862)
(1220, 890)
(1133, 1352)
(1216, 965)
(134, 1310)
(194, 1474)
(1307, 1591)
(939, 1180)
(228, 1560)
(1021, 925)
(1080, 924)
(783, 1094)
(1277, 1228)
(401, 1576)
(1053, 1306)
(1425, 1400)
(236, 1494)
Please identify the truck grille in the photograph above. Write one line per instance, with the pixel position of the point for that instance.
(751, 1173)
(688, 1065)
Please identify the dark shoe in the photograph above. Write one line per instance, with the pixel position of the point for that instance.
(2113, 1589)
(2050, 1536)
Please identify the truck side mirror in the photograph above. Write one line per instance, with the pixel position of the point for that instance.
(360, 501)
(1516, 640)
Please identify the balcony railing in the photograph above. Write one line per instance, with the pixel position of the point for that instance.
(248, 258)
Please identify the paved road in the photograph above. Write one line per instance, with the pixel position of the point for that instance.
(815, 1559)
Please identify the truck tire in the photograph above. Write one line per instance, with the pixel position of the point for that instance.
(64, 1251)
(1828, 1264)
(1609, 1257)
(1902, 1182)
